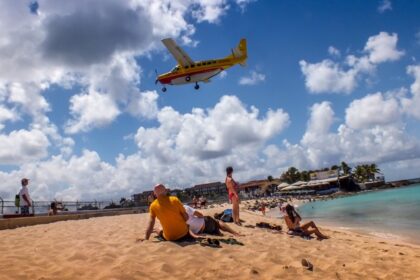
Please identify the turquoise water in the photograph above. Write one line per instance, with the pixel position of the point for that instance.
(392, 213)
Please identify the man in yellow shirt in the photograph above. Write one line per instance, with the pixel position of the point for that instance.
(171, 214)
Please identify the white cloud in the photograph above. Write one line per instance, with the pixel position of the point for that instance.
(145, 105)
(90, 109)
(244, 3)
(254, 79)
(384, 6)
(22, 146)
(411, 105)
(372, 110)
(327, 76)
(383, 48)
(210, 10)
(6, 114)
(319, 145)
(322, 147)
(402, 169)
(182, 150)
(195, 147)
(210, 134)
(223, 74)
(334, 51)
(331, 77)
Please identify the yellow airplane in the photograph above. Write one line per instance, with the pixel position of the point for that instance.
(189, 71)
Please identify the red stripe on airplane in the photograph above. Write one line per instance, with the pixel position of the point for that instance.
(168, 80)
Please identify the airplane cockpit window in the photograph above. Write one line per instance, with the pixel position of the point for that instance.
(175, 69)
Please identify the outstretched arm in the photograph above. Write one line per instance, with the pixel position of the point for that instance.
(149, 230)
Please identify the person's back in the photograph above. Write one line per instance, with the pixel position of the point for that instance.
(168, 210)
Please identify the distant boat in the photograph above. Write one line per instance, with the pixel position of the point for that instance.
(87, 207)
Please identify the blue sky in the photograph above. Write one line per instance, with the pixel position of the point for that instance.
(81, 116)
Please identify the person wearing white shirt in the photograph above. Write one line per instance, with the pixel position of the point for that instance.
(25, 198)
(199, 223)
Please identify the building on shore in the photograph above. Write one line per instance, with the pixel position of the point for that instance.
(208, 189)
(322, 185)
(141, 199)
(256, 188)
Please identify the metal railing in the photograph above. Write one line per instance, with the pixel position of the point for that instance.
(42, 207)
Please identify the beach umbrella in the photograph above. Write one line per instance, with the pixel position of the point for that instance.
(291, 188)
(282, 185)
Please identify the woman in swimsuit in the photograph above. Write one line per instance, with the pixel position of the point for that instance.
(293, 219)
(232, 188)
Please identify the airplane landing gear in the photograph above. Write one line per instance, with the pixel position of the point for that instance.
(164, 89)
(196, 86)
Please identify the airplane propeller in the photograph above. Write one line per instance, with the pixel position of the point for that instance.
(156, 81)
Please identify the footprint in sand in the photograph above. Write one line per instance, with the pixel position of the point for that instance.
(78, 257)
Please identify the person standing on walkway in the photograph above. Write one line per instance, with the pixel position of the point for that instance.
(25, 198)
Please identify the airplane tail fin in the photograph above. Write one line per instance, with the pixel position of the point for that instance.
(240, 52)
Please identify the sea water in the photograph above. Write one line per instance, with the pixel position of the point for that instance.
(391, 213)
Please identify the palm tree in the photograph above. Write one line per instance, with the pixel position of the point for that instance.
(373, 168)
(346, 169)
(360, 172)
(304, 176)
(334, 167)
(291, 175)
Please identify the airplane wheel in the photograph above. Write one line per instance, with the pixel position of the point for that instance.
(197, 86)
(188, 78)
(164, 89)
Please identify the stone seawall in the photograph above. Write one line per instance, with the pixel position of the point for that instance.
(37, 220)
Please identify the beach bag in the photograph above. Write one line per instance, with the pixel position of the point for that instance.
(227, 216)
(17, 200)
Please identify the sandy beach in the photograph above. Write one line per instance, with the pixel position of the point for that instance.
(107, 248)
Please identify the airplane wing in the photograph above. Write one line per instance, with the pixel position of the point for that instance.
(178, 53)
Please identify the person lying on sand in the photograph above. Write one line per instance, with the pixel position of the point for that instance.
(292, 219)
(171, 214)
(205, 224)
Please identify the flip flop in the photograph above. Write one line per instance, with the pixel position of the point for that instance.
(306, 264)
(275, 227)
(249, 226)
(214, 243)
(231, 241)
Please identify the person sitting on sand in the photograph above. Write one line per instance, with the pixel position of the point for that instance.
(292, 219)
(205, 224)
(171, 214)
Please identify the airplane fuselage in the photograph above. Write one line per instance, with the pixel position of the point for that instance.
(200, 71)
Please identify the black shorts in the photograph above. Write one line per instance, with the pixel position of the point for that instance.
(185, 238)
(211, 226)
